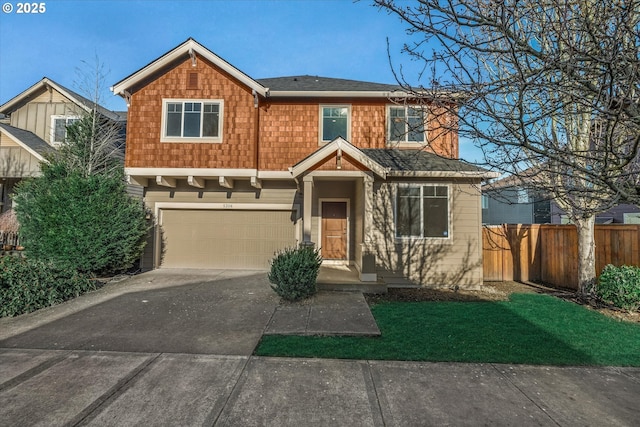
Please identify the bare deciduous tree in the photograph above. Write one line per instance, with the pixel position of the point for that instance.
(94, 143)
(551, 94)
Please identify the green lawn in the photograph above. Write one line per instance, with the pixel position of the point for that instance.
(529, 329)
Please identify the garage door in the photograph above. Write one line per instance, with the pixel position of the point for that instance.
(224, 238)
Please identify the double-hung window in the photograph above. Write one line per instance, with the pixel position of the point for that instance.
(334, 122)
(422, 211)
(405, 125)
(192, 120)
(59, 128)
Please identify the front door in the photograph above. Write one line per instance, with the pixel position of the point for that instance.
(334, 230)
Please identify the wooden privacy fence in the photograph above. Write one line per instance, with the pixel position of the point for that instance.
(549, 253)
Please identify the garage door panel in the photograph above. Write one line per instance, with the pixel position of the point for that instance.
(224, 239)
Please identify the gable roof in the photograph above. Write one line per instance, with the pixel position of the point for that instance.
(293, 86)
(182, 51)
(46, 83)
(326, 87)
(421, 163)
(27, 140)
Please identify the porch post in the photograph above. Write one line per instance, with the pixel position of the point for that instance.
(306, 210)
(368, 262)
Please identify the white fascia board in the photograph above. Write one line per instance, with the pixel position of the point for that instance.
(443, 174)
(120, 87)
(186, 172)
(274, 175)
(336, 94)
(23, 146)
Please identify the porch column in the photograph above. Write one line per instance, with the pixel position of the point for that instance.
(368, 262)
(306, 210)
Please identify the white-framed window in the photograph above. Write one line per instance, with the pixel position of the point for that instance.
(192, 120)
(335, 121)
(422, 211)
(406, 124)
(485, 201)
(59, 125)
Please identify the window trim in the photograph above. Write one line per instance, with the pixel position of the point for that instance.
(420, 185)
(196, 139)
(405, 142)
(321, 121)
(52, 130)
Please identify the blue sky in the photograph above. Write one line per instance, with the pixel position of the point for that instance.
(268, 38)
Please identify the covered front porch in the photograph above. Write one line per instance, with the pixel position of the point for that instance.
(336, 183)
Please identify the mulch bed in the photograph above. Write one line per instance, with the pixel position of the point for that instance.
(497, 291)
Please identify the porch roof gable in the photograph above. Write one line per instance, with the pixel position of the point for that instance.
(337, 147)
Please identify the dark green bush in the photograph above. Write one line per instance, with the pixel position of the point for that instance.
(88, 223)
(620, 286)
(27, 285)
(294, 272)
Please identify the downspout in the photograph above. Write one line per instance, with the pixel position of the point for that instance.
(256, 129)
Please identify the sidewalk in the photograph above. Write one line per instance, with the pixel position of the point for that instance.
(55, 388)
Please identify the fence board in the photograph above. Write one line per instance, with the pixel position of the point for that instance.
(549, 253)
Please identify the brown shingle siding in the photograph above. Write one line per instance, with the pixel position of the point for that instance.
(287, 130)
(144, 148)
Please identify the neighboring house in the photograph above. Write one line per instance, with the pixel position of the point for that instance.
(507, 201)
(236, 168)
(35, 123)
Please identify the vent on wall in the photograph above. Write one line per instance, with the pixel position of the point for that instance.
(192, 80)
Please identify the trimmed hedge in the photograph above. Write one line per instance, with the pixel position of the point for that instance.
(27, 285)
(294, 272)
(620, 286)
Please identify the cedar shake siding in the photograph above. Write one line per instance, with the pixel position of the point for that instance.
(272, 137)
(290, 130)
(237, 149)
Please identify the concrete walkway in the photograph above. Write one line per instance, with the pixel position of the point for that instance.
(174, 348)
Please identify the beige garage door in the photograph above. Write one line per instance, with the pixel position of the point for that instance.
(224, 238)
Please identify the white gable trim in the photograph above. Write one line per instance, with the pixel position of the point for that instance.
(42, 84)
(188, 47)
(338, 144)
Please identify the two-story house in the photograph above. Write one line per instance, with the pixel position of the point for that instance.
(236, 168)
(35, 123)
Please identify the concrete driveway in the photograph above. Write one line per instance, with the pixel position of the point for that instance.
(164, 311)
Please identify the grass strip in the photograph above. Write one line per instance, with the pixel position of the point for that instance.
(527, 329)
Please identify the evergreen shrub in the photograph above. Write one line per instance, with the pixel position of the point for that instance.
(620, 286)
(294, 272)
(27, 285)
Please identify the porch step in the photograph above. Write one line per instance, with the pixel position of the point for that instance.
(364, 287)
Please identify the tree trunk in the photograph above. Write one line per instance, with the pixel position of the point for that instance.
(586, 255)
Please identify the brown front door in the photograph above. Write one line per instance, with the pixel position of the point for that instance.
(334, 230)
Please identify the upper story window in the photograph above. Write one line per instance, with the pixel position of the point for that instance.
(405, 125)
(191, 120)
(422, 211)
(59, 128)
(335, 121)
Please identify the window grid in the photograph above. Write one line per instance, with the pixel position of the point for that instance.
(422, 212)
(406, 125)
(191, 120)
